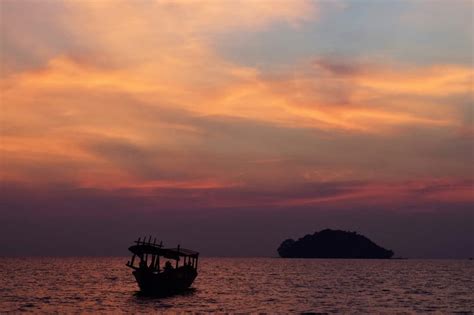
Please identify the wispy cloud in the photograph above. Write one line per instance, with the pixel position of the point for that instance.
(137, 98)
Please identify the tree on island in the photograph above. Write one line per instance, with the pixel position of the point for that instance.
(332, 244)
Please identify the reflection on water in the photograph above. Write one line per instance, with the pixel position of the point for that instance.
(242, 284)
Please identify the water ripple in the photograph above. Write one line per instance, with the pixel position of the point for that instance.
(242, 285)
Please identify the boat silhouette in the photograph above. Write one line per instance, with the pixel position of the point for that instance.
(153, 269)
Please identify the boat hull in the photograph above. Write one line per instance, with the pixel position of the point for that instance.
(165, 283)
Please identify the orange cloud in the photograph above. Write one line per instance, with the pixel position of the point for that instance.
(375, 98)
(153, 94)
(150, 187)
(68, 102)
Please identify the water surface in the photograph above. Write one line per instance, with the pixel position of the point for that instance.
(242, 285)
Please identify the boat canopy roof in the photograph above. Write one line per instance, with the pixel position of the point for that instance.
(154, 249)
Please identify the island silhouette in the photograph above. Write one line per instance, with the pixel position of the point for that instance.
(332, 244)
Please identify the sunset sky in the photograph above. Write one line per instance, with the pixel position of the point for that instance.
(232, 125)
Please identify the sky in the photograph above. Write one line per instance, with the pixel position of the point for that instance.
(230, 126)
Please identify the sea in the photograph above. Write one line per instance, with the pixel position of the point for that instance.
(242, 285)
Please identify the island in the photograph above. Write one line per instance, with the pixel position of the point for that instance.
(333, 244)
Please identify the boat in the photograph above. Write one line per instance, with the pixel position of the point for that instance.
(153, 269)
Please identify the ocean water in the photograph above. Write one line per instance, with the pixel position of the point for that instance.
(271, 285)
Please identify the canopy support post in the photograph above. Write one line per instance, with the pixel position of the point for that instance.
(158, 263)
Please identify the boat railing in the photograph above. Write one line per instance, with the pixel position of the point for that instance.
(190, 258)
(149, 243)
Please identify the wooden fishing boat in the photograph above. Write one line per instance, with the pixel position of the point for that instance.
(153, 268)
